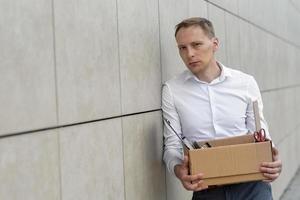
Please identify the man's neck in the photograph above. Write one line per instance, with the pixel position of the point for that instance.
(211, 73)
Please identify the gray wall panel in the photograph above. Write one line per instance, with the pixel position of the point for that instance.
(87, 60)
(144, 168)
(175, 190)
(27, 80)
(29, 166)
(233, 47)
(197, 8)
(92, 161)
(288, 156)
(230, 5)
(257, 62)
(139, 55)
(217, 16)
(244, 44)
(270, 63)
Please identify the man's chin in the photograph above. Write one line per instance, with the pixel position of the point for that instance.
(195, 69)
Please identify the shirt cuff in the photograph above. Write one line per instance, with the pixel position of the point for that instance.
(172, 157)
(173, 163)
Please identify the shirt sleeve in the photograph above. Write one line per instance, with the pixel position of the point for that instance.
(254, 94)
(173, 150)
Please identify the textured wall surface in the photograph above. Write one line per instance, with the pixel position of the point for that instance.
(80, 90)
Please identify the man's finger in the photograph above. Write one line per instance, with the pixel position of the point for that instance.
(191, 178)
(272, 164)
(269, 170)
(190, 186)
(271, 176)
(197, 186)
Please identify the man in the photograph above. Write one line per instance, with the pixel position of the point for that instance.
(210, 101)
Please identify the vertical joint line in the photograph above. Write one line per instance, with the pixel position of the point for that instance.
(159, 40)
(119, 56)
(55, 62)
(56, 98)
(161, 70)
(120, 84)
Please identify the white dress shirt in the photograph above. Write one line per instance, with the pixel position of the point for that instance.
(202, 111)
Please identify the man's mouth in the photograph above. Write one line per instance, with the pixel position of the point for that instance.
(193, 63)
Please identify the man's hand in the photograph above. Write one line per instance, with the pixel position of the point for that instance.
(271, 170)
(189, 182)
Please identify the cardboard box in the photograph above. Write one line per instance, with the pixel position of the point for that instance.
(230, 160)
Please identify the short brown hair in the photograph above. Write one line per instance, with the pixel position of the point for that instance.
(204, 23)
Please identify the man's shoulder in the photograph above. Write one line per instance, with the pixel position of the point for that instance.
(178, 79)
(235, 73)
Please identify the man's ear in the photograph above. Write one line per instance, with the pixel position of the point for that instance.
(216, 44)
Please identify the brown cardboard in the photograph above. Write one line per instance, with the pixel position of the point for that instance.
(230, 160)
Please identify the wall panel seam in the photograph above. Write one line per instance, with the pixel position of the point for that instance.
(295, 6)
(159, 36)
(161, 72)
(119, 57)
(281, 88)
(55, 62)
(56, 97)
(120, 90)
(256, 25)
(74, 124)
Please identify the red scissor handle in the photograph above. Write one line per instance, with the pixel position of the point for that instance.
(260, 135)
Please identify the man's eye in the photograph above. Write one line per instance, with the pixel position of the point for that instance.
(197, 44)
(181, 48)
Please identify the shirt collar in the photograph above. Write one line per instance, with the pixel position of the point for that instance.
(225, 72)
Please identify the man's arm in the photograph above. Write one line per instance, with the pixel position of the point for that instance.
(271, 170)
(173, 152)
(177, 164)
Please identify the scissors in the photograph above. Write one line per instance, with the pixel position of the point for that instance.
(260, 135)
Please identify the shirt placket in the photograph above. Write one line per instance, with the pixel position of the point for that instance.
(212, 108)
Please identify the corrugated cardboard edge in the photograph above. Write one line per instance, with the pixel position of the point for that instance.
(234, 179)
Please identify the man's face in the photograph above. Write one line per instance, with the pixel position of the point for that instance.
(196, 48)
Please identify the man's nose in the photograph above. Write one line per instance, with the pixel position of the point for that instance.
(190, 52)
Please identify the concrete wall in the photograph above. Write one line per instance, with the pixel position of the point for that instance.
(80, 86)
